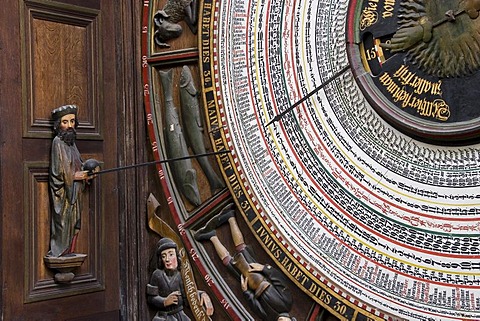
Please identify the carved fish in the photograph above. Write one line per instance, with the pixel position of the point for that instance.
(184, 174)
(193, 125)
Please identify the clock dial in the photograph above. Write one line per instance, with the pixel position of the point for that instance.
(370, 222)
(422, 63)
(343, 192)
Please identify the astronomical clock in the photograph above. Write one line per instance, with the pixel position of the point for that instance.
(346, 135)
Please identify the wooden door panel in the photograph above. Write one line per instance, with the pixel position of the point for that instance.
(62, 64)
(39, 280)
(57, 57)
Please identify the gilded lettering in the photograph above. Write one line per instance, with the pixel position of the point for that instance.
(245, 206)
(226, 163)
(388, 7)
(404, 85)
(237, 190)
(277, 253)
(232, 178)
(369, 15)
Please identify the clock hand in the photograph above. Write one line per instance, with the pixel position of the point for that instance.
(310, 94)
(450, 16)
(168, 160)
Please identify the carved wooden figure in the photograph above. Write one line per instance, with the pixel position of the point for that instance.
(263, 286)
(193, 125)
(172, 285)
(166, 20)
(67, 180)
(184, 174)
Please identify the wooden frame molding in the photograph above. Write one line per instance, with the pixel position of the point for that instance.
(39, 282)
(56, 40)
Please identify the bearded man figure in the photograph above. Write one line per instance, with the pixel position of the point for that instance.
(67, 182)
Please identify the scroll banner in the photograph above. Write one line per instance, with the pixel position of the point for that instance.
(160, 227)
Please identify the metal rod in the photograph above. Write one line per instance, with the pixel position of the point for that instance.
(450, 16)
(310, 94)
(157, 162)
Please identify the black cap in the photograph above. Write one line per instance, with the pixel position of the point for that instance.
(61, 111)
(165, 244)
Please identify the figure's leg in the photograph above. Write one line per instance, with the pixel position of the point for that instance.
(221, 250)
(211, 236)
(237, 235)
(208, 233)
(218, 219)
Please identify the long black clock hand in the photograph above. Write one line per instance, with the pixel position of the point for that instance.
(93, 163)
(310, 94)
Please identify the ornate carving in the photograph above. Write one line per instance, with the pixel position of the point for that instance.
(183, 171)
(193, 125)
(67, 181)
(263, 286)
(441, 38)
(172, 283)
(167, 20)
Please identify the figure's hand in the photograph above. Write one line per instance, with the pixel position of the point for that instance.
(406, 38)
(244, 283)
(207, 303)
(172, 298)
(256, 267)
(92, 166)
(91, 174)
(81, 175)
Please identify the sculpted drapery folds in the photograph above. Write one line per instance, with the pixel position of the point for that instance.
(67, 182)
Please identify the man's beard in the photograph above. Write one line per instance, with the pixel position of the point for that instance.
(68, 136)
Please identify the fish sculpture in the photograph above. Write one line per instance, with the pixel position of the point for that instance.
(184, 174)
(193, 125)
(167, 20)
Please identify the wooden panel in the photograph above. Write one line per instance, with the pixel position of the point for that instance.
(40, 284)
(62, 59)
(108, 316)
(57, 53)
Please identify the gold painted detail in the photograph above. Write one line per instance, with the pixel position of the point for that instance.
(406, 88)
(388, 7)
(369, 15)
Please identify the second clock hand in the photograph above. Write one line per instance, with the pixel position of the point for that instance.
(310, 94)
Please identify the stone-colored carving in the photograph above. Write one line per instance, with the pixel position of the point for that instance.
(184, 174)
(263, 286)
(193, 126)
(166, 20)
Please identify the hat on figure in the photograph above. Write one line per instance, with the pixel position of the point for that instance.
(165, 244)
(61, 111)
